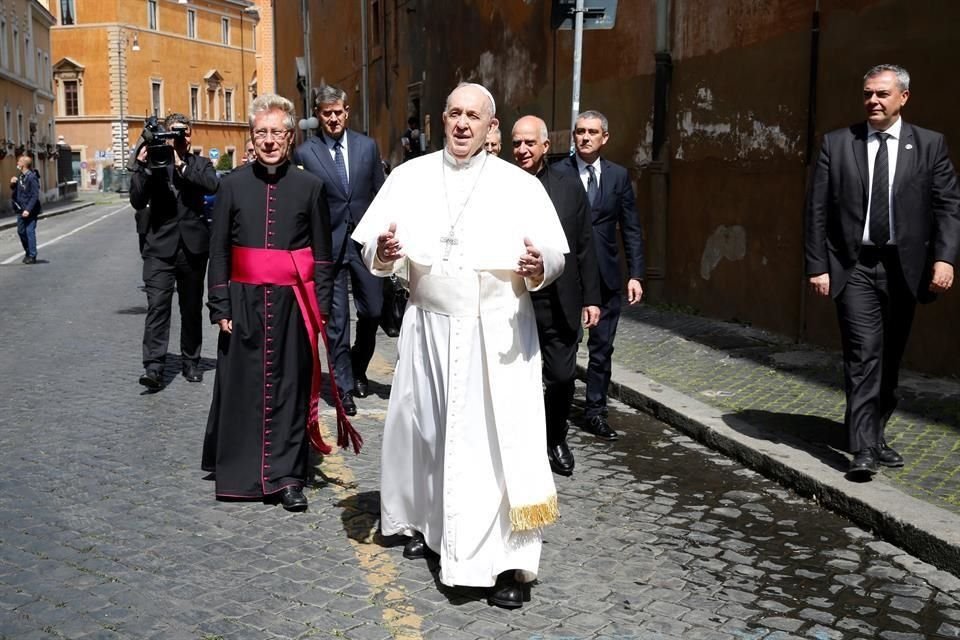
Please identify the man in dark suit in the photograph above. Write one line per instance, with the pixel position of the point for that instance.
(176, 243)
(882, 233)
(572, 299)
(612, 203)
(349, 164)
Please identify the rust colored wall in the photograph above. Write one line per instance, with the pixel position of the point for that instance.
(729, 234)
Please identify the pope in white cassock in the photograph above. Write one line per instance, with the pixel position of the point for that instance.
(464, 469)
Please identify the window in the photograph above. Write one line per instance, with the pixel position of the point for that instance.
(8, 123)
(225, 30)
(16, 51)
(152, 15)
(71, 98)
(191, 23)
(21, 137)
(228, 105)
(39, 69)
(28, 69)
(194, 103)
(3, 43)
(68, 12)
(155, 97)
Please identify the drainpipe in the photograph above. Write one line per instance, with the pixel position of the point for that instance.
(808, 154)
(364, 68)
(659, 167)
(308, 83)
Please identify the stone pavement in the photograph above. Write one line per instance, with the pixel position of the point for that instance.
(778, 406)
(108, 529)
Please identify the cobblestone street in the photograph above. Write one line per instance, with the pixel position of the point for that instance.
(108, 528)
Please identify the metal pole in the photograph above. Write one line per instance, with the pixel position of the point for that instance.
(121, 186)
(577, 60)
(305, 5)
(364, 63)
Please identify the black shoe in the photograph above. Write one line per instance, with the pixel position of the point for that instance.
(888, 457)
(30, 260)
(192, 373)
(349, 406)
(26, 260)
(598, 426)
(292, 499)
(507, 593)
(864, 463)
(417, 548)
(561, 459)
(361, 386)
(151, 379)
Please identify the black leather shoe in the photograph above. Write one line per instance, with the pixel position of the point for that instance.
(864, 463)
(30, 260)
(151, 379)
(349, 406)
(561, 459)
(507, 593)
(417, 548)
(361, 386)
(888, 457)
(192, 373)
(598, 426)
(292, 499)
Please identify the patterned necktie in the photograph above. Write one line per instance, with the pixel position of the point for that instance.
(341, 167)
(593, 190)
(880, 195)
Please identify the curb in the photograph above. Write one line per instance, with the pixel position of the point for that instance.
(49, 214)
(923, 529)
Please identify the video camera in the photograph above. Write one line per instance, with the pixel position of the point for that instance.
(159, 153)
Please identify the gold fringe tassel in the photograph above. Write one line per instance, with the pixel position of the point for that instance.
(534, 516)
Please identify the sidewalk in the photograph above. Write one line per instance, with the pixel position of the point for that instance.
(50, 210)
(778, 407)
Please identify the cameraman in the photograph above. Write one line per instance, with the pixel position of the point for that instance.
(175, 244)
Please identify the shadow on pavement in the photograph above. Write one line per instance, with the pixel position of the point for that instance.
(821, 437)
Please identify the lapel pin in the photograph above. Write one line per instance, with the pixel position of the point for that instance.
(908, 146)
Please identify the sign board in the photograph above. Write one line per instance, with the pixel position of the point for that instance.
(597, 14)
(214, 153)
(83, 165)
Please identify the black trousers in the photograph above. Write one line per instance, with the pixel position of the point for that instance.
(600, 344)
(876, 311)
(367, 292)
(185, 271)
(558, 350)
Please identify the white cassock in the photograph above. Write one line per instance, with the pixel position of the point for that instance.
(464, 444)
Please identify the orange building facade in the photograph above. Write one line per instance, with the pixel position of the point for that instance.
(26, 95)
(116, 63)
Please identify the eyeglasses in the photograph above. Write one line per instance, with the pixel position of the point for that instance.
(276, 134)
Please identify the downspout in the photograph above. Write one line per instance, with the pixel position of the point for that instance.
(808, 152)
(659, 166)
(364, 68)
(308, 82)
(577, 60)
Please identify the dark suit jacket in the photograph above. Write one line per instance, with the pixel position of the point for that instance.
(176, 206)
(366, 178)
(26, 194)
(616, 205)
(579, 284)
(926, 206)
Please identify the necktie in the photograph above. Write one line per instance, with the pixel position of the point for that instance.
(880, 195)
(341, 167)
(593, 190)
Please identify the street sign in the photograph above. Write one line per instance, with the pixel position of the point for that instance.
(597, 14)
(83, 165)
(214, 153)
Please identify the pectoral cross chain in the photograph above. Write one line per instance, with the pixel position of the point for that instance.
(448, 241)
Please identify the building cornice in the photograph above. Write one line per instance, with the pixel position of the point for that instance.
(251, 48)
(19, 81)
(44, 13)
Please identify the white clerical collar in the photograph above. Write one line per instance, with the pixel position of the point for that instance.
(893, 130)
(474, 161)
(271, 168)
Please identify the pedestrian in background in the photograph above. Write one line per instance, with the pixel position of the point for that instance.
(612, 206)
(882, 233)
(176, 242)
(493, 142)
(572, 300)
(26, 206)
(464, 470)
(349, 165)
(411, 140)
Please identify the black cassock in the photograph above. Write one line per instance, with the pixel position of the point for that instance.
(256, 441)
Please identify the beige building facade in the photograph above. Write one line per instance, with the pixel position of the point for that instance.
(115, 64)
(26, 93)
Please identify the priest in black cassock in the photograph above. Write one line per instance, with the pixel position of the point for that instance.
(270, 288)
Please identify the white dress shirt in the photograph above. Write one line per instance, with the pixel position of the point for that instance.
(327, 140)
(893, 147)
(584, 175)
